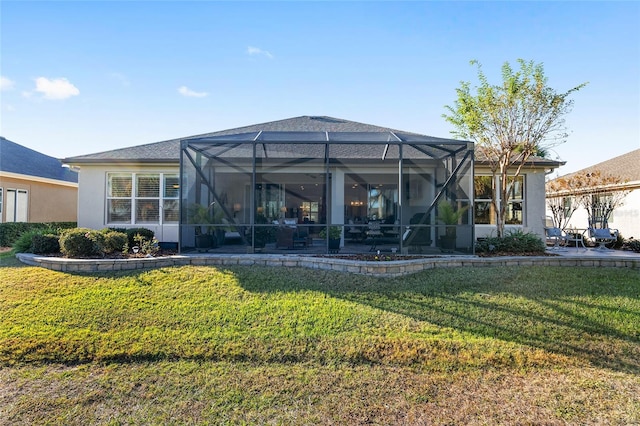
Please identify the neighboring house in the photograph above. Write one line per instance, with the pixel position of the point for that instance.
(279, 184)
(35, 187)
(626, 217)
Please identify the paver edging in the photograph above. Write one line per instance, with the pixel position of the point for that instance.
(376, 268)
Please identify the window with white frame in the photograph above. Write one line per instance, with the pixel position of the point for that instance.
(1, 194)
(484, 211)
(16, 205)
(142, 198)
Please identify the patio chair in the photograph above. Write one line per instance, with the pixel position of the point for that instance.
(558, 236)
(603, 236)
(417, 235)
(355, 233)
(374, 232)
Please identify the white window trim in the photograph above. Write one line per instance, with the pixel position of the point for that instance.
(133, 198)
(17, 191)
(522, 200)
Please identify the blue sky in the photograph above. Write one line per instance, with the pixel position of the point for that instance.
(82, 77)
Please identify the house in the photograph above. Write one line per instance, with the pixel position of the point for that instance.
(35, 187)
(626, 217)
(276, 186)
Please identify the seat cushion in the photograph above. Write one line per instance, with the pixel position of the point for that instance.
(601, 233)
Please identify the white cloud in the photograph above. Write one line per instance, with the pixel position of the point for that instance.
(253, 51)
(6, 84)
(57, 88)
(185, 91)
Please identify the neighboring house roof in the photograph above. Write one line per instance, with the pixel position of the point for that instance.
(20, 160)
(303, 128)
(625, 167)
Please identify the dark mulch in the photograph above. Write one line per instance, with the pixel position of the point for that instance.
(116, 255)
(506, 253)
(371, 257)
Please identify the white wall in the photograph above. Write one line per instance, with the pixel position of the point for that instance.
(92, 190)
(626, 218)
(534, 206)
(535, 203)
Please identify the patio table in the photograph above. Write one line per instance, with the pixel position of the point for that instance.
(576, 235)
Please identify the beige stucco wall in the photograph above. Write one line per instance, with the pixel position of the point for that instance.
(48, 200)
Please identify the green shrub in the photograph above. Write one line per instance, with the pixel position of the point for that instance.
(633, 245)
(24, 243)
(147, 234)
(82, 242)
(114, 241)
(147, 246)
(513, 242)
(45, 244)
(619, 242)
(11, 231)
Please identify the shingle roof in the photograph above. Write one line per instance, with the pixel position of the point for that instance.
(15, 158)
(315, 127)
(170, 150)
(626, 167)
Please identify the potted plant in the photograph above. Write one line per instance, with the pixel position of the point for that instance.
(335, 233)
(262, 233)
(449, 216)
(199, 215)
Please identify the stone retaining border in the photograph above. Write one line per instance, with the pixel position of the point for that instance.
(394, 268)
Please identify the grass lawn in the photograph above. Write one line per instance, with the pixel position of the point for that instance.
(258, 345)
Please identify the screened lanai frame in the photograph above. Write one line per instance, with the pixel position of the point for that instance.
(275, 192)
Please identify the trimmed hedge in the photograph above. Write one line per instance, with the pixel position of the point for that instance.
(45, 244)
(114, 241)
(82, 242)
(147, 234)
(11, 231)
(513, 242)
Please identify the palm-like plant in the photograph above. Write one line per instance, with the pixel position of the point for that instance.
(448, 215)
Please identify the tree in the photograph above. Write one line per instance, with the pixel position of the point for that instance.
(562, 204)
(598, 193)
(509, 123)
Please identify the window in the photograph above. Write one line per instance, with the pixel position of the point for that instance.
(485, 213)
(119, 198)
(16, 205)
(147, 198)
(140, 197)
(0, 205)
(170, 204)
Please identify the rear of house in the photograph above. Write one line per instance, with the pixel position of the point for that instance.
(286, 181)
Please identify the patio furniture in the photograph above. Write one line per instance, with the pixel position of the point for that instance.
(393, 231)
(603, 236)
(356, 233)
(417, 234)
(575, 236)
(374, 233)
(558, 236)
